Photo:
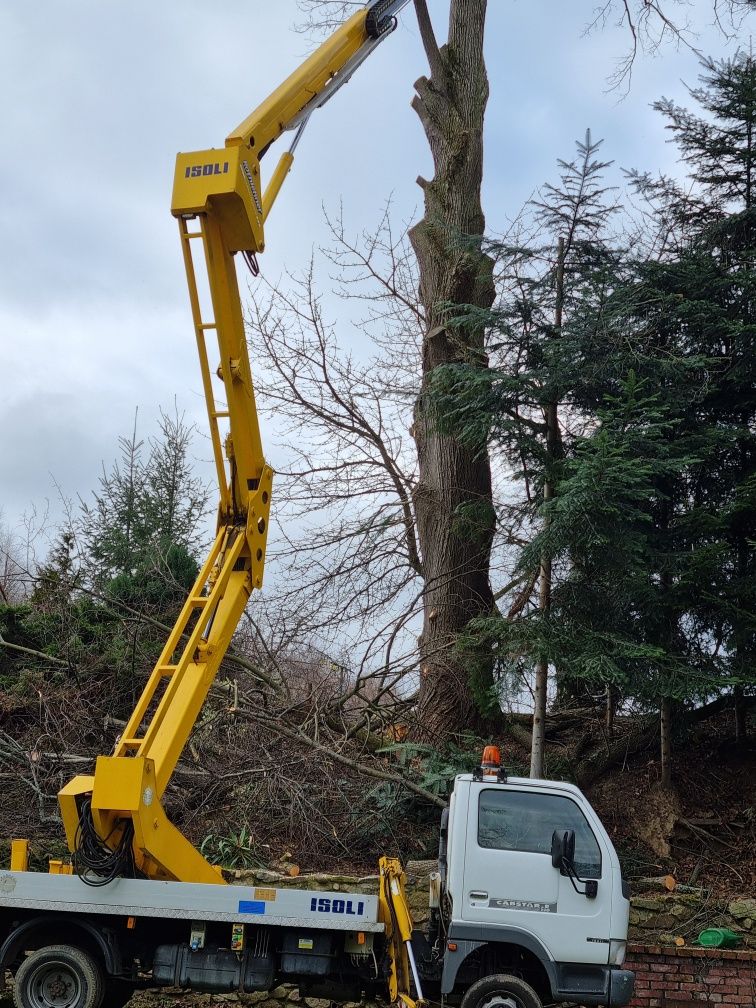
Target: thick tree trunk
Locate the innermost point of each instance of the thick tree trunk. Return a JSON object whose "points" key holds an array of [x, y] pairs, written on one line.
{"points": [[453, 499]]}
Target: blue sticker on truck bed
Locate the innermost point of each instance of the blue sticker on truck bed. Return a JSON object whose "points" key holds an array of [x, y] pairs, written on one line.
{"points": [[252, 906]]}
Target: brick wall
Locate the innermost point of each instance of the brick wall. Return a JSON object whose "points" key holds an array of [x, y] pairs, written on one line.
{"points": [[689, 977]]}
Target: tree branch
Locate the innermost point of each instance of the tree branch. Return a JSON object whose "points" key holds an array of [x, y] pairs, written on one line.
{"points": [[30, 651], [299, 736], [428, 38]]}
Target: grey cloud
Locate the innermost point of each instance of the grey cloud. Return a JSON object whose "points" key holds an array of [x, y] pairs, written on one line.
{"points": [[100, 97]]}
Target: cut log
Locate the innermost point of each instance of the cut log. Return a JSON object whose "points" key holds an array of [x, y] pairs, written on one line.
{"points": [[667, 883]]}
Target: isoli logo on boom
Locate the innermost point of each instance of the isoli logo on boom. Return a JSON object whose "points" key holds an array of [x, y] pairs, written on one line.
{"points": [[324, 905], [215, 168]]}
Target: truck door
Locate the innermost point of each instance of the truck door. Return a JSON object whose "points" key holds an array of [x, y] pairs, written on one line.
{"points": [[510, 882]]}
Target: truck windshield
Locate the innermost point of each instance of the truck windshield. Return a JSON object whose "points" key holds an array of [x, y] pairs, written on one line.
{"points": [[525, 821]]}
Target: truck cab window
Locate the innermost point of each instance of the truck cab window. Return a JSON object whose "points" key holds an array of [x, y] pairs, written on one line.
{"points": [[525, 821]]}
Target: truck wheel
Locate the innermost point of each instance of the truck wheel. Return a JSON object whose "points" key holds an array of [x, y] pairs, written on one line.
{"points": [[501, 991], [58, 976]]}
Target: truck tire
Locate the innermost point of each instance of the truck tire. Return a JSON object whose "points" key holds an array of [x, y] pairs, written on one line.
{"points": [[501, 991], [58, 976]]}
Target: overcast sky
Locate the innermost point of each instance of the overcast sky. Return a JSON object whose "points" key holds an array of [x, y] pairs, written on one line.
{"points": [[100, 95]]}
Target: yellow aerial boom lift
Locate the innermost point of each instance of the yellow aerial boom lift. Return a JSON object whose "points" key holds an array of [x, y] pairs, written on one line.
{"points": [[114, 820]]}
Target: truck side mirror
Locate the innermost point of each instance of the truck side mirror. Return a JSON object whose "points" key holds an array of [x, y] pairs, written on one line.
{"points": [[563, 849], [563, 858]]}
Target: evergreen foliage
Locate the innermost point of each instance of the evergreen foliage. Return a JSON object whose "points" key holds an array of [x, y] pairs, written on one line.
{"points": [[650, 527], [128, 554], [144, 524]]}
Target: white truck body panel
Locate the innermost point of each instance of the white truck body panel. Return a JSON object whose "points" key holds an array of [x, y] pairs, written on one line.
{"points": [[192, 901]]}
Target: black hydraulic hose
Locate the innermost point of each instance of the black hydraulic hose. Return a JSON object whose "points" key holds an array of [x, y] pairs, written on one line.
{"points": [[94, 861]]}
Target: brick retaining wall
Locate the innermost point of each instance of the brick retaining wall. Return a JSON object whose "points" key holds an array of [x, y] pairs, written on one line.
{"points": [[689, 977]]}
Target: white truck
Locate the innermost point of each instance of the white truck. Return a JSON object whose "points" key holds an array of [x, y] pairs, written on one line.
{"points": [[533, 908], [528, 908]]}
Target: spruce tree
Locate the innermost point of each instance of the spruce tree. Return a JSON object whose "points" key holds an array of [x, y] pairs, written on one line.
{"points": [[649, 530], [518, 405], [682, 324], [140, 532]]}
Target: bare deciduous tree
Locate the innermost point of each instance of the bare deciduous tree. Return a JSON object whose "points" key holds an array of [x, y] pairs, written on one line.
{"points": [[652, 24], [17, 555], [347, 550]]}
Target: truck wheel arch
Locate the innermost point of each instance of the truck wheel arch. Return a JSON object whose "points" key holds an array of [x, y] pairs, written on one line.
{"points": [[25, 935], [500, 953]]}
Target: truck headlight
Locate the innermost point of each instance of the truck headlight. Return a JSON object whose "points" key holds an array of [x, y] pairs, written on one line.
{"points": [[617, 950]]}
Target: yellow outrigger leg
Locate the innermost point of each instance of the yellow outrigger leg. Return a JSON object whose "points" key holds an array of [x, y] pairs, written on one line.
{"points": [[394, 912]]}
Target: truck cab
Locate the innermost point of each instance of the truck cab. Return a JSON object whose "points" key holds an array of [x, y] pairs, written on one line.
{"points": [[530, 887]]}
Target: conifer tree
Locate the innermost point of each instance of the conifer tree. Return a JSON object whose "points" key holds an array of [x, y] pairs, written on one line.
{"points": [[647, 531], [707, 288], [140, 531], [685, 318], [516, 404]]}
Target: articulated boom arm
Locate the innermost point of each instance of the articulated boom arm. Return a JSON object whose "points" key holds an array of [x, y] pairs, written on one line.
{"points": [[116, 816]]}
